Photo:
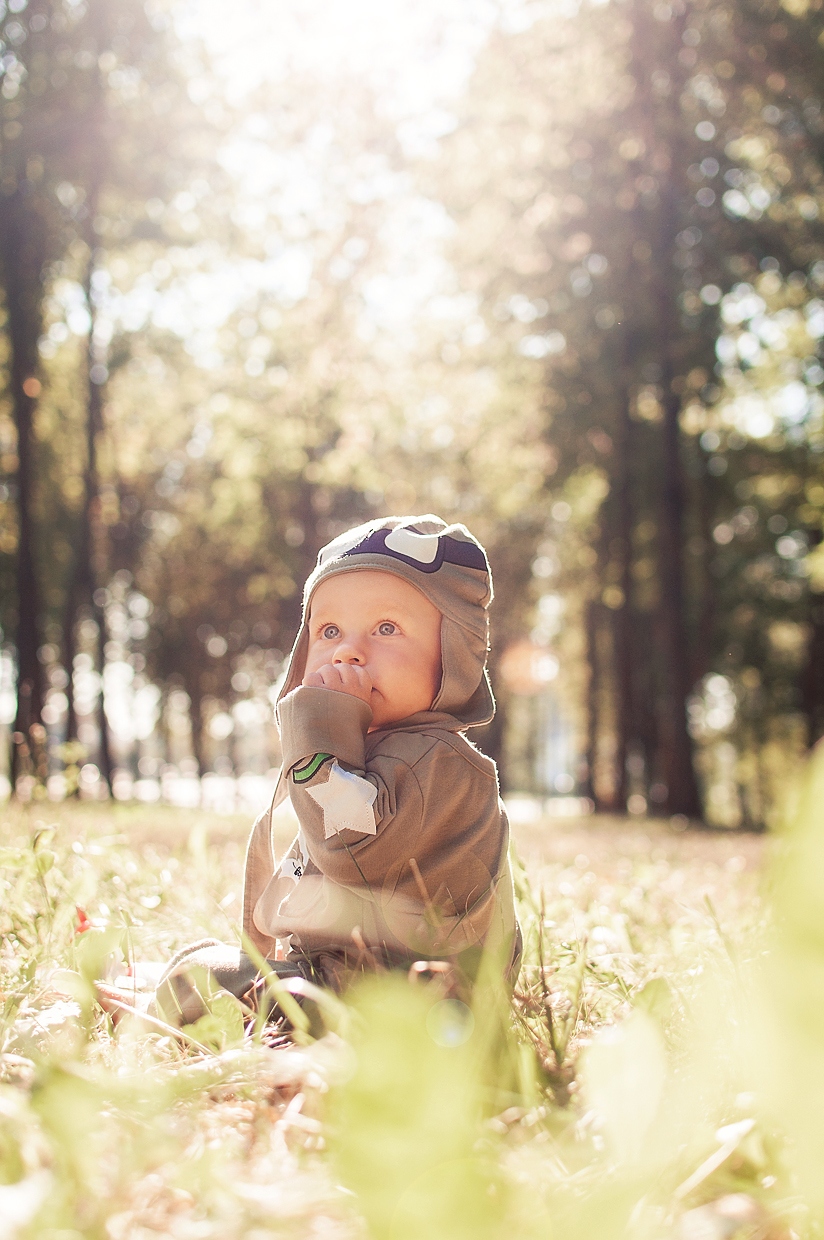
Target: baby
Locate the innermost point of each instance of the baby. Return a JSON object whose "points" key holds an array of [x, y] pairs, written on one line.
{"points": [[402, 852], [402, 847]]}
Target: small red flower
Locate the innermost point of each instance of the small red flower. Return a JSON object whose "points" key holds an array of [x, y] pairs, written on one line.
{"points": [[83, 923]]}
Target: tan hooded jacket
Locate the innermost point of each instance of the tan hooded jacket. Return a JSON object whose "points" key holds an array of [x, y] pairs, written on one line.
{"points": [[403, 842]]}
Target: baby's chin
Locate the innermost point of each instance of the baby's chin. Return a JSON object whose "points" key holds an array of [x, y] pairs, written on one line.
{"points": [[383, 716], [387, 718]]}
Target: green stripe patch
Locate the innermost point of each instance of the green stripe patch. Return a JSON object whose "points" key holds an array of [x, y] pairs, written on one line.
{"points": [[302, 774]]}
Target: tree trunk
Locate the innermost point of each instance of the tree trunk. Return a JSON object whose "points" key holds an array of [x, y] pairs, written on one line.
{"points": [[622, 616], [680, 778], [83, 589], [707, 616], [592, 712], [191, 681], [812, 677], [22, 247], [91, 522], [69, 651], [89, 549], [667, 162]]}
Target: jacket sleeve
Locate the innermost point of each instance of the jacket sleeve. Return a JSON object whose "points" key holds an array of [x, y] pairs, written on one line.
{"points": [[374, 823], [344, 806]]}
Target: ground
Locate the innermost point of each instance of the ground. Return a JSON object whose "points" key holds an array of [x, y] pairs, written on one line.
{"points": [[134, 1133]]}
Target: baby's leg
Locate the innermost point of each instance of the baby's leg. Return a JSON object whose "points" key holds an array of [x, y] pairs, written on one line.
{"points": [[199, 971]]}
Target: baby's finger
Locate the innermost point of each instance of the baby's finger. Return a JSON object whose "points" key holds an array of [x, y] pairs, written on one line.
{"points": [[326, 677], [356, 678], [343, 677]]}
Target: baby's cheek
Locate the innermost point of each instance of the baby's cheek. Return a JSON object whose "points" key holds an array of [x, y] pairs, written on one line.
{"points": [[314, 660]]}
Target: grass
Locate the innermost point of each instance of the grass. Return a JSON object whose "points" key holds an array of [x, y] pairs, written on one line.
{"points": [[635, 1086]]}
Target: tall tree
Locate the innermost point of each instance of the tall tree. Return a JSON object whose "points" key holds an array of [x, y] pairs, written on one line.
{"points": [[84, 152], [604, 139], [31, 236]]}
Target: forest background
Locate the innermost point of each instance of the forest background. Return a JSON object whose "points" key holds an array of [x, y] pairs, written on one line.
{"points": [[551, 269]]}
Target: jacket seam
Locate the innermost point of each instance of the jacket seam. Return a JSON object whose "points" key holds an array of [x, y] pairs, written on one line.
{"points": [[458, 748], [470, 757]]}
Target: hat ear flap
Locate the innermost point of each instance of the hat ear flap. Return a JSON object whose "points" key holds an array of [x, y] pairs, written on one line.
{"points": [[465, 689], [480, 708], [297, 662]]}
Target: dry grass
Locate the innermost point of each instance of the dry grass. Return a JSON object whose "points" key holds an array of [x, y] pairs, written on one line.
{"points": [[150, 1138]]}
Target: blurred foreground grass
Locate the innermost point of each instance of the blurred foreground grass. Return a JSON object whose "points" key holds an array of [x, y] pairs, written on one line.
{"points": [[658, 1074]]}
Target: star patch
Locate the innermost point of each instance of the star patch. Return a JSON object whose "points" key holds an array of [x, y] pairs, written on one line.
{"points": [[346, 801]]}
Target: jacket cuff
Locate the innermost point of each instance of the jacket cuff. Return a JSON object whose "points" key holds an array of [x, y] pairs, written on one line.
{"points": [[317, 720]]}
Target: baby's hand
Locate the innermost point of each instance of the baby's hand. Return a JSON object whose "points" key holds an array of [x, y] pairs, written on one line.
{"points": [[344, 678]]}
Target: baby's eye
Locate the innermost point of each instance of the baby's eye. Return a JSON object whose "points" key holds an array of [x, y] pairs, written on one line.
{"points": [[331, 632], [387, 628]]}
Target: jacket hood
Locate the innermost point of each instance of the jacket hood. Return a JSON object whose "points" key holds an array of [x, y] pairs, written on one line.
{"points": [[448, 565]]}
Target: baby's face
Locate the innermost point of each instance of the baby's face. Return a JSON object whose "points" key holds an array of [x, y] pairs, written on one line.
{"points": [[375, 636]]}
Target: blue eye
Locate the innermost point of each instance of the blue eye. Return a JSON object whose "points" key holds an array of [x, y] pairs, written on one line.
{"points": [[387, 628], [331, 632]]}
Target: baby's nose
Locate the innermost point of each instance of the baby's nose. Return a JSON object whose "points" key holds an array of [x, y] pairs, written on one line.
{"points": [[348, 652]]}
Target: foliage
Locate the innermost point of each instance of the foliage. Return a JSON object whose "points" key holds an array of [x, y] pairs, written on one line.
{"points": [[613, 247]]}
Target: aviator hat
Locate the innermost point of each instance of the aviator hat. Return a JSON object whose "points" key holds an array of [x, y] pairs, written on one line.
{"points": [[447, 565]]}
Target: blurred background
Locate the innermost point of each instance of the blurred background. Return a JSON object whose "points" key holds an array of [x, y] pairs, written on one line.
{"points": [[553, 269]]}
